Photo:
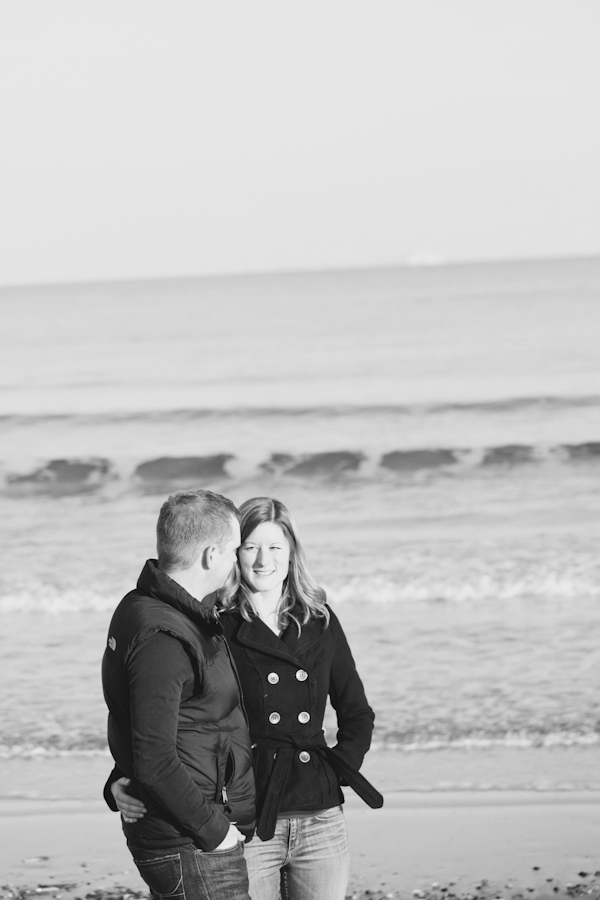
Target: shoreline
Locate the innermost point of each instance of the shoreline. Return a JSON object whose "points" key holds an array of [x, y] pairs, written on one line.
{"points": [[576, 768], [486, 844]]}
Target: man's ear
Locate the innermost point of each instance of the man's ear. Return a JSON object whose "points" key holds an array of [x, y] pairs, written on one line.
{"points": [[209, 556]]}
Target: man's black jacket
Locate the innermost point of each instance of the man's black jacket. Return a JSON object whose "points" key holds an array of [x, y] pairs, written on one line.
{"points": [[176, 726]]}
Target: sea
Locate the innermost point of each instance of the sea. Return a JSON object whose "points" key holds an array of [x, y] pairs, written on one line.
{"points": [[435, 432]]}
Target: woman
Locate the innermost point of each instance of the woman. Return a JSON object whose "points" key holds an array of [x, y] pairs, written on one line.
{"points": [[291, 654]]}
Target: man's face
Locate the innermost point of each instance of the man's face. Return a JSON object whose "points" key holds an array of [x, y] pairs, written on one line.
{"points": [[227, 555]]}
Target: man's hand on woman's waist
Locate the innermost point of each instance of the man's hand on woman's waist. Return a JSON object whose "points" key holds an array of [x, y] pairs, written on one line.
{"points": [[133, 809]]}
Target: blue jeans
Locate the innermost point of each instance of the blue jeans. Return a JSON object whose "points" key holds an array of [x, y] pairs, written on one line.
{"points": [[186, 873], [306, 859]]}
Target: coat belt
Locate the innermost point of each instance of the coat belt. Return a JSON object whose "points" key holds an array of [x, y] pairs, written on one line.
{"points": [[286, 750]]}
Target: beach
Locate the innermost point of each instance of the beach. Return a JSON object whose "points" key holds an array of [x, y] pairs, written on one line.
{"points": [[443, 842], [495, 843], [440, 453]]}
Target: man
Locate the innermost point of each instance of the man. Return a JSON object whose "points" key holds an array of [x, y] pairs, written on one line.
{"points": [[176, 728]]}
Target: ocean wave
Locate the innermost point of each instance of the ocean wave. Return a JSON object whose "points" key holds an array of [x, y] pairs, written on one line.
{"points": [[330, 463], [509, 454], [589, 450], [549, 403], [35, 750], [183, 468], [48, 598], [96, 746], [65, 475], [87, 474], [520, 740], [454, 582], [415, 460], [464, 585]]}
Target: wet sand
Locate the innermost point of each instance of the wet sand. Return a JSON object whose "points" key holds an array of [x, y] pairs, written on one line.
{"points": [[487, 844]]}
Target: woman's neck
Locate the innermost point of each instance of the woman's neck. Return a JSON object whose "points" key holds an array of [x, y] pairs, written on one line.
{"points": [[266, 604]]}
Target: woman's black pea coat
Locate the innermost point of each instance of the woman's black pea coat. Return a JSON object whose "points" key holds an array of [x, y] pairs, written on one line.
{"points": [[285, 683]]}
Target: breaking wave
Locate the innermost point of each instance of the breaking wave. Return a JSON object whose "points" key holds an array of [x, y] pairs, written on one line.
{"points": [[454, 581], [90, 744], [88, 474]]}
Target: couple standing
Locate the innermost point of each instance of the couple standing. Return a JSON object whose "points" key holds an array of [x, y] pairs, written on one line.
{"points": [[187, 773]]}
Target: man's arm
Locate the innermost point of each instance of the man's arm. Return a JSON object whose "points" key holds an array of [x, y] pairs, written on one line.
{"points": [[159, 671]]}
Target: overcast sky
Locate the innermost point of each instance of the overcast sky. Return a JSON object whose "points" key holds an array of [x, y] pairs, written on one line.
{"points": [[144, 138]]}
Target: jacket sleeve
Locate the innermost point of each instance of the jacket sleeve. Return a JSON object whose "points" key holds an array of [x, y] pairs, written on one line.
{"points": [[159, 669], [354, 715]]}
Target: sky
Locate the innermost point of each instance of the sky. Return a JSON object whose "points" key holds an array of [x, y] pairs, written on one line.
{"points": [[165, 138]]}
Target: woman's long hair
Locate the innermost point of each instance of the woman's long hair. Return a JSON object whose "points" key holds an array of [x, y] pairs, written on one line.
{"points": [[301, 598]]}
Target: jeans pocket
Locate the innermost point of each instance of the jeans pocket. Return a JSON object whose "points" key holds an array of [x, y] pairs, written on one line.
{"points": [[163, 875], [327, 814], [221, 852]]}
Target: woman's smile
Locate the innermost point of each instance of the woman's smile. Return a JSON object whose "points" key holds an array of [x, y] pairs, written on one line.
{"points": [[264, 558]]}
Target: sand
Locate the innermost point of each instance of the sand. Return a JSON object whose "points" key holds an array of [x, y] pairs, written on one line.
{"points": [[467, 843]]}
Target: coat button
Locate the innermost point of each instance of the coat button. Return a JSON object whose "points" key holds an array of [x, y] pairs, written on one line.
{"points": [[274, 718], [303, 717], [301, 675], [272, 677], [304, 756]]}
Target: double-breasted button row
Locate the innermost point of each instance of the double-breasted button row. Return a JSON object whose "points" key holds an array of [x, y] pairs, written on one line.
{"points": [[275, 717], [303, 718], [273, 677]]}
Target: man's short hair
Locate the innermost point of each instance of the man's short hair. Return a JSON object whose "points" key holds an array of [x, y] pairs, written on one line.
{"points": [[188, 521]]}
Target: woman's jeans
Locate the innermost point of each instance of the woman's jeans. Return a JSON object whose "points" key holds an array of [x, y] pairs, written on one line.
{"points": [[186, 873], [306, 859]]}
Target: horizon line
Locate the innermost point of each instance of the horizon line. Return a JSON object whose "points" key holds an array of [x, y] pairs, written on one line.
{"points": [[269, 273]]}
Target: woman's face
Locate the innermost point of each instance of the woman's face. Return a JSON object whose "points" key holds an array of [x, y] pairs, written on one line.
{"points": [[264, 558]]}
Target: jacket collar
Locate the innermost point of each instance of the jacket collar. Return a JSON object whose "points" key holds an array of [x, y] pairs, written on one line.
{"points": [[157, 584], [258, 636]]}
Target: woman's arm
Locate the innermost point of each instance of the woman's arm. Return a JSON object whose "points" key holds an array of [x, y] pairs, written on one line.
{"points": [[354, 715], [119, 799], [129, 806]]}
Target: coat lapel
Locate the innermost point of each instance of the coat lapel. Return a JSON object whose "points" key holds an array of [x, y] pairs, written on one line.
{"points": [[299, 644], [258, 636]]}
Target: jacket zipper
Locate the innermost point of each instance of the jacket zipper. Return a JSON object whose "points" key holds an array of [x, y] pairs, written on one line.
{"points": [[237, 679]]}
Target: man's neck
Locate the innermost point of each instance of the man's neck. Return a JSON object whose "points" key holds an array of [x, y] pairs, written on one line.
{"points": [[193, 582]]}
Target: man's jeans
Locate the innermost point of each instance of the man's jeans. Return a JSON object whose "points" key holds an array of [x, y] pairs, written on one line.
{"points": [[307, 859], [187, 873]]}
